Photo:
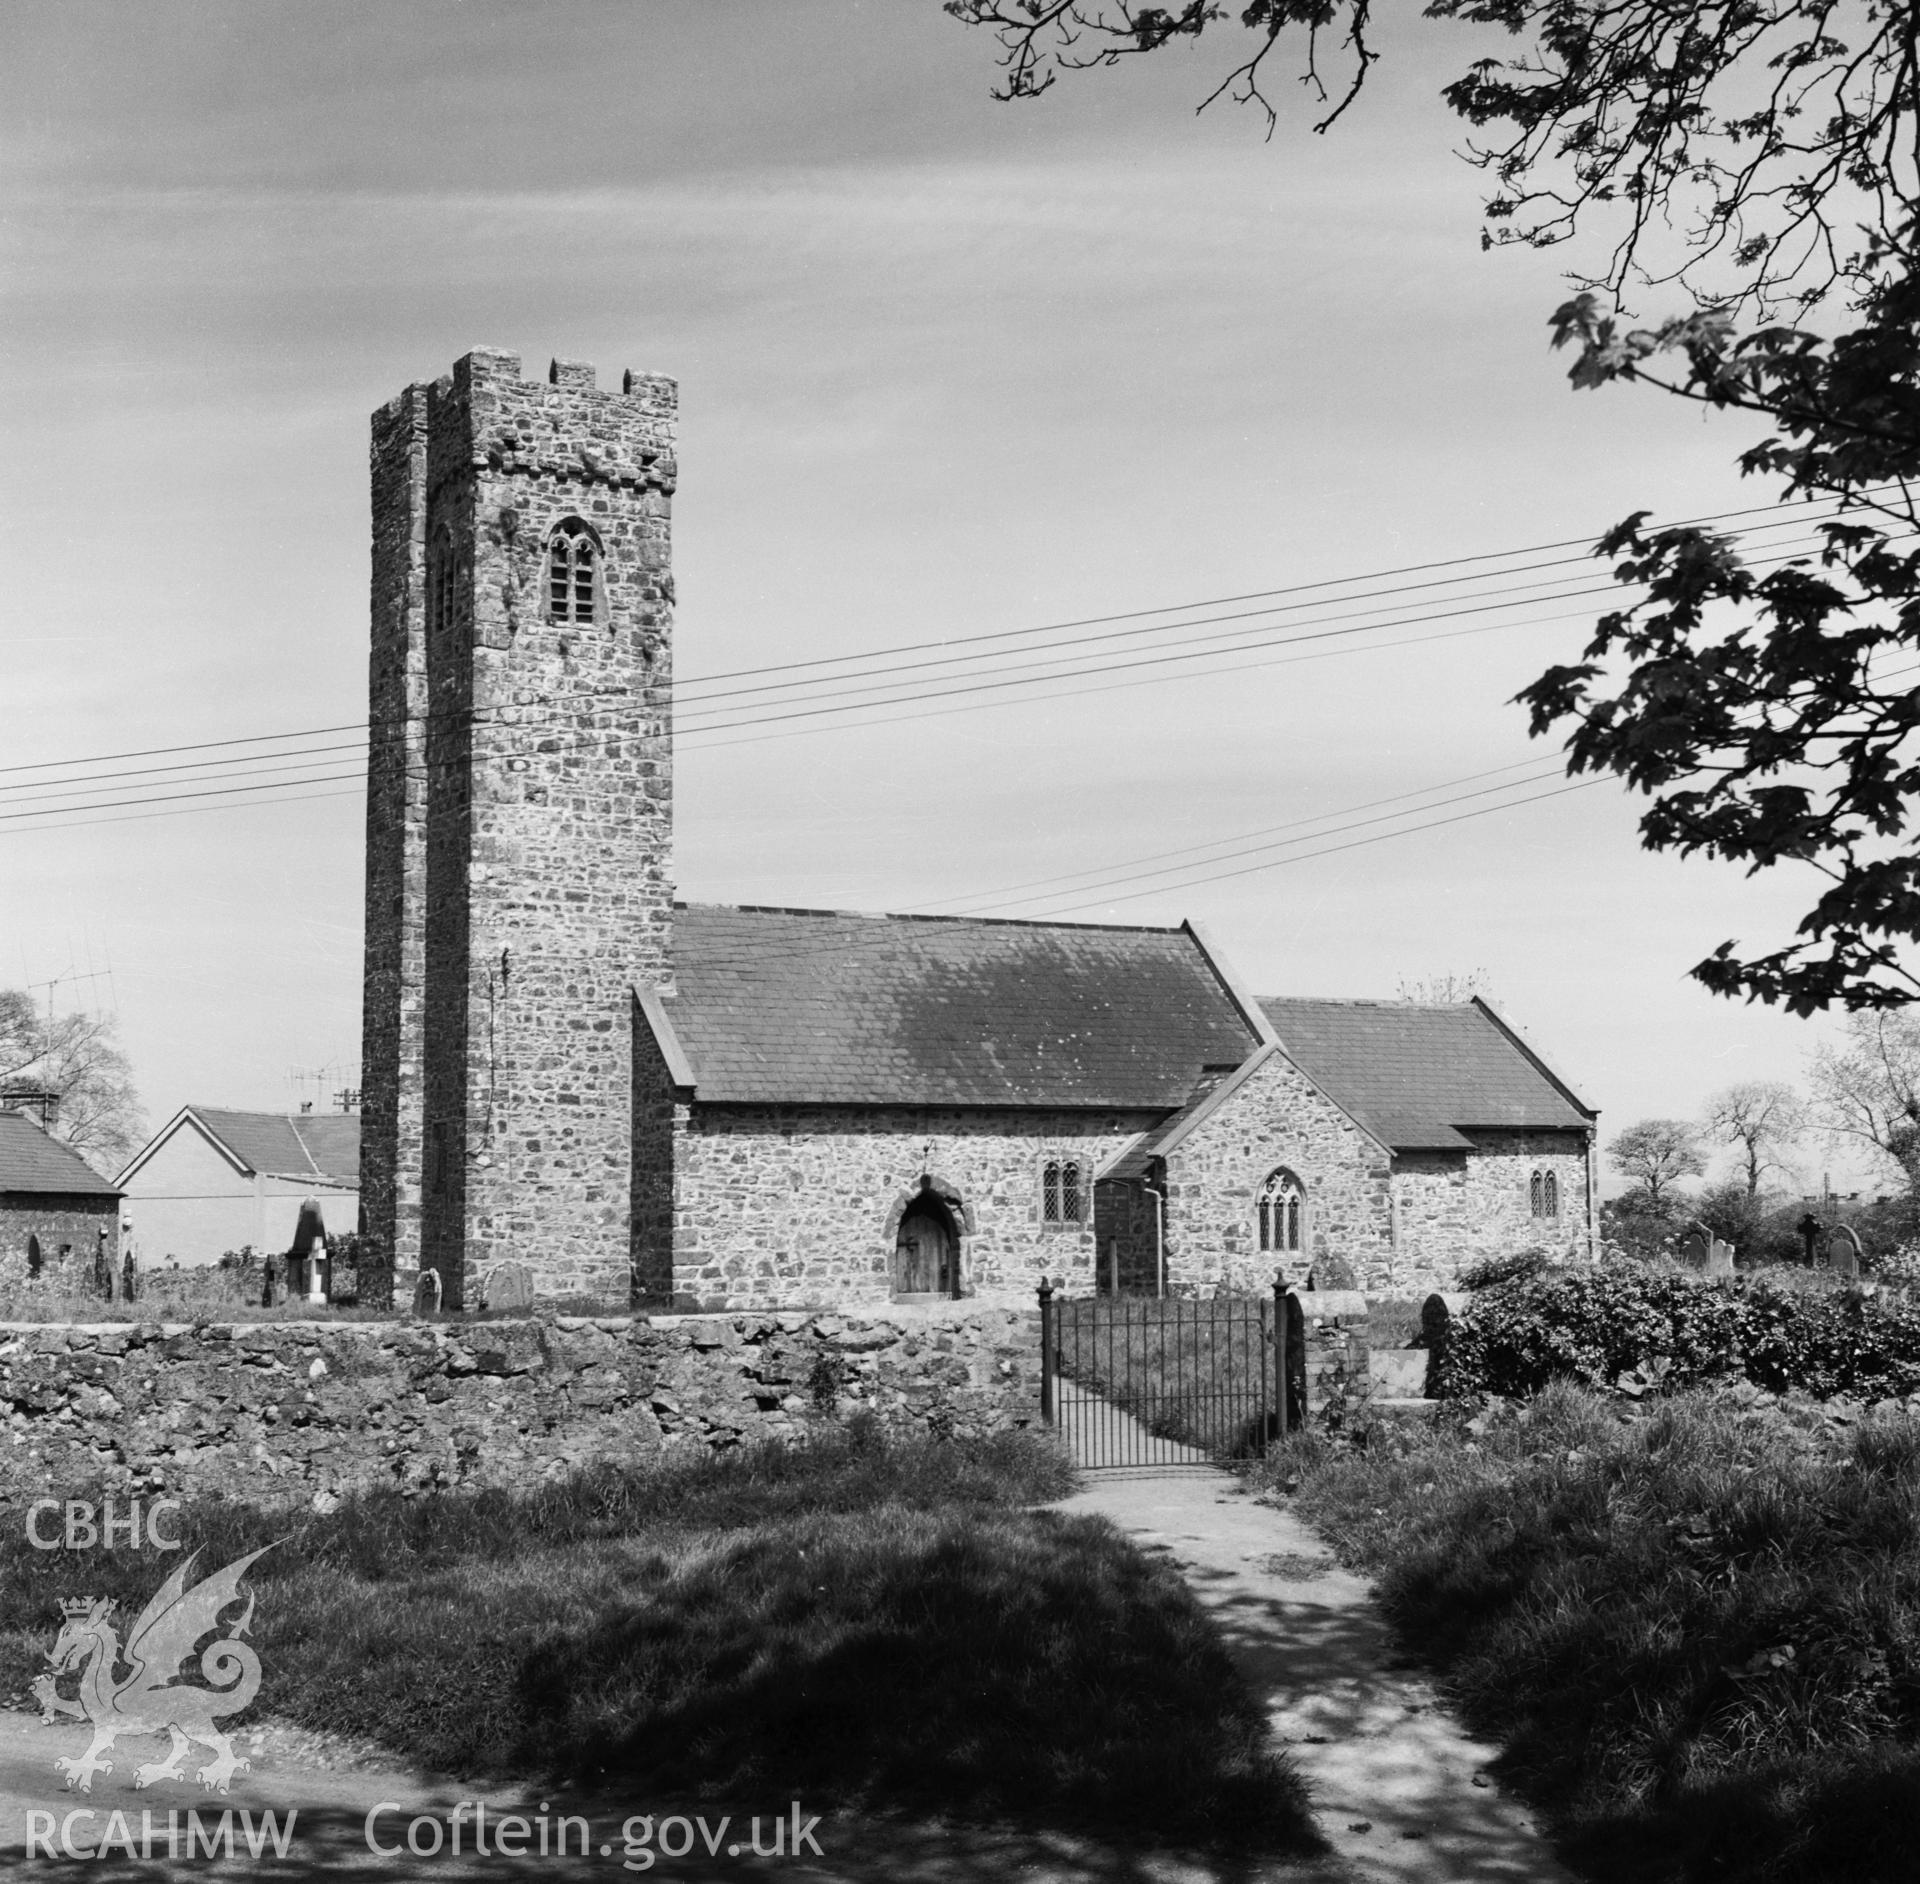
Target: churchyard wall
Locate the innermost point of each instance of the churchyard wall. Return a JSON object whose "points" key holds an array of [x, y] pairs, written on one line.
{"points": [[290, 1412]]}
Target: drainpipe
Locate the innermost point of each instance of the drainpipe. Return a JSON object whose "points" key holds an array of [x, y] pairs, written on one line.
{"points": [[1593, 1185], [1159, 1238]]}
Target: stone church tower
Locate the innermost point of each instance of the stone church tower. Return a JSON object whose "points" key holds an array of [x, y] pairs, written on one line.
{"points": [[519, 816]]}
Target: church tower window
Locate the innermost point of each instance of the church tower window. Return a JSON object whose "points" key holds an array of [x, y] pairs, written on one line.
{"points": [[442, 580], [575, 589], [1282, 1207]]}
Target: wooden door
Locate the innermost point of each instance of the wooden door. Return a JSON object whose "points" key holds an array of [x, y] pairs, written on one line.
{"points": [[923, 1257]]}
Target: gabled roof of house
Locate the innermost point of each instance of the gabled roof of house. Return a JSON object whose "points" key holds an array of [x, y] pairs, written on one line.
{"points": [[32, 1161], [1423, 1076], [829, 1008], [310, 1147]]}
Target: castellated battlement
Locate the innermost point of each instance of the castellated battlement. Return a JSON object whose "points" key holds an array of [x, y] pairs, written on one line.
{"points": [[519, 832]]}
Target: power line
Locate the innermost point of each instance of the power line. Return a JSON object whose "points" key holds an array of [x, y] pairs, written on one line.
{"points": [[1044, 674], [1226, 601], [1379, 837], [887, 934], [318, 778], [1005, 902], [1796, 516]]}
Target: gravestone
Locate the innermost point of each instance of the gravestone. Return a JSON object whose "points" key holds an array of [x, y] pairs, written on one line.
{"points": [[426, 1293], [510, 1285], [1704, 1252], [1843, 1251]]}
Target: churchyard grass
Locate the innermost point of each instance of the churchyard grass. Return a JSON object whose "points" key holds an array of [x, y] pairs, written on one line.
{"points": [[1693, 1625], [862, 1623]]}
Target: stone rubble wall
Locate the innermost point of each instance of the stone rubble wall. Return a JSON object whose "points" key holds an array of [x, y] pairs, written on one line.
{"points": [[802, 1203], [1331, 1359], [1277, 1120], [1456, 1209], [282, 1413], [74, 1221], [519, 856]]}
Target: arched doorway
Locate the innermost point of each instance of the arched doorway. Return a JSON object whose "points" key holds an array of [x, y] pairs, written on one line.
{"points": [[926, 1253]]}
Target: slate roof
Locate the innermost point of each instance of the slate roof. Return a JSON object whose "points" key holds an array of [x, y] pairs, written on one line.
{"points": [[31, 1161], [1421, 1076], [318, 1145], [829, 1008]]}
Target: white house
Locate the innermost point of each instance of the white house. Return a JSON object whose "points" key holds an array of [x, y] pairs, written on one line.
{"points": [[213, 1180]]}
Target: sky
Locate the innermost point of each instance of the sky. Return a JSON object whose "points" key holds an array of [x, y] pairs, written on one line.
{"points": [[949, 367]]}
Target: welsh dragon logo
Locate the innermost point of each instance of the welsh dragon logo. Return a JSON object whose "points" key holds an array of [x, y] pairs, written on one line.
{"points": [[147, 1699]]}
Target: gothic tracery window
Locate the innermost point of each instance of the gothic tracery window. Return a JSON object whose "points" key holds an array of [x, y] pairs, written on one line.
{"points": [[1282, 1209], [573, 573], [1543, 1193], [1062, 1192]]}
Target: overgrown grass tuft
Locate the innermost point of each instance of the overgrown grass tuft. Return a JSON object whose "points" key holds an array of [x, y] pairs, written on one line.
{"points": [[874, 1625], [1696, 1630]]}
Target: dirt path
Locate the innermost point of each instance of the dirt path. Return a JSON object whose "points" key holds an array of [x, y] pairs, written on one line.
{"points": [[1399, 1789]]}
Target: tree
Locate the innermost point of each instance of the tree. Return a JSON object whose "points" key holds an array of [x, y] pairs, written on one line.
{"points": [[1762, 1117], [77, 1058], [1656, 1153], [1448, 988], [1760, 1228], [1868, 1091], [1761, 160]]}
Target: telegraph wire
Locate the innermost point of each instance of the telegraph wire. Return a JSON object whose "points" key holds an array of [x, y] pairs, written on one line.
{"points": [[1002, 900], [1047, 672], [1225, 601], [319, 778], [894, 929], [1379, 837], [1040, 674], [1795, 516]]}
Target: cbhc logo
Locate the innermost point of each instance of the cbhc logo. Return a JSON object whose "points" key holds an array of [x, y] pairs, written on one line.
{"points": [[81, 1532]]}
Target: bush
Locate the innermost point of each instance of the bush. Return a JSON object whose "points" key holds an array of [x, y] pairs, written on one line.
{"points": [[1628, 1328], [1638, 1227], [1498, 1269], [1692, 1628], [1762, 1228]]}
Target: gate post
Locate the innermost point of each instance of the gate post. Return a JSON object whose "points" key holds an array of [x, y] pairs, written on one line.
{"points": [[1280, 1348], [1046, 1350]]}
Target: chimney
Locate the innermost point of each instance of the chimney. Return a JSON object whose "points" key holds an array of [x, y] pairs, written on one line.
{"points": [[35, 1101]]}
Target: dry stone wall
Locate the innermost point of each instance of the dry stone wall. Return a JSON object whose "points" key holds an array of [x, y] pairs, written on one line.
{"points": [[286, 1412]]}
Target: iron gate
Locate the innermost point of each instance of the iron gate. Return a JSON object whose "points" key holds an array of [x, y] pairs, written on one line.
{"points": [[1168, 1380]]}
